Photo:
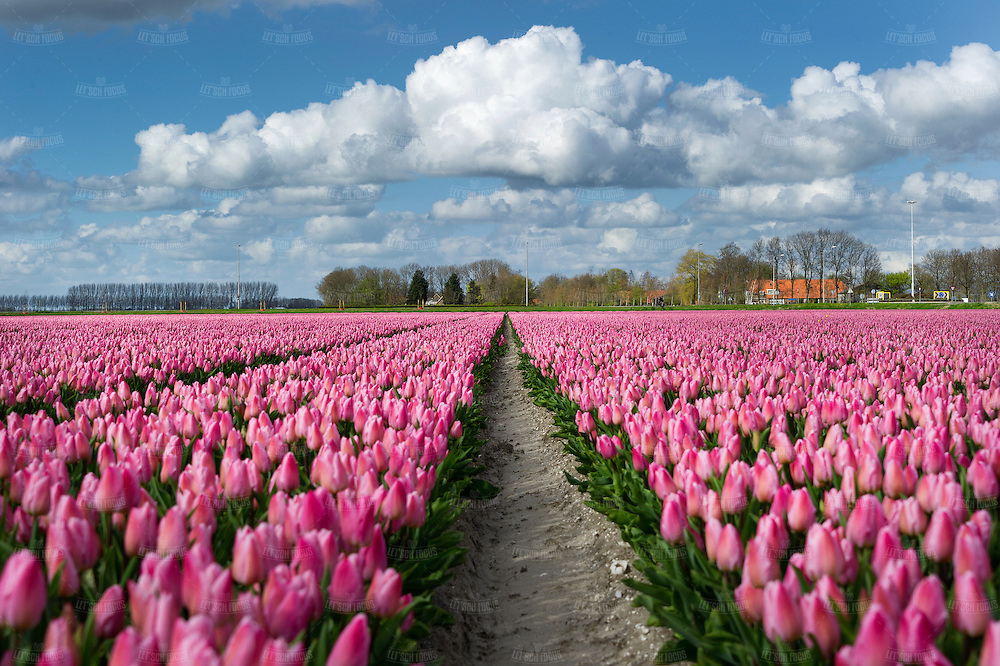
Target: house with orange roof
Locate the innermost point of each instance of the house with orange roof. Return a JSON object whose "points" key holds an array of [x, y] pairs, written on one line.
{"points": [[795, 291]]}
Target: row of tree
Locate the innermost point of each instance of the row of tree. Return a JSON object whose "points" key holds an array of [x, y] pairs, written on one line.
{"points": [[974, 274], [150, 296], [476, 282], [735, 275]]}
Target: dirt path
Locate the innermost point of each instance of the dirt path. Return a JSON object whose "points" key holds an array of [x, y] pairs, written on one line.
{"points": [[538, 584]]}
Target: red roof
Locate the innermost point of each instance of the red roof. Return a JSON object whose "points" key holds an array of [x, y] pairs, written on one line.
{"points": [[797, 288]]}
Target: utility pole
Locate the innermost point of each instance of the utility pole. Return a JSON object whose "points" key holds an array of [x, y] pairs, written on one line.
{"points": [[237, 277], [912, 280], [698, 301], [525, 273]]}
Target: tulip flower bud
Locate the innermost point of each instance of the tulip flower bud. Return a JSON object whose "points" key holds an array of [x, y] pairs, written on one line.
{"points": [[782, 617], [990, 652], [865, 521], [970, 610], [673, 520], [876, 639], [141, 530], [23, 591], [819, 623], [929, 597], [801, 510], [970, 554], [353, 644], [939, 538], [729, 549], [248, 557], [109, 613]]}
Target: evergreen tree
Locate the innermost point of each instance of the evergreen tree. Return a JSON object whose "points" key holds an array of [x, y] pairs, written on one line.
{"points": [[453, 290], [418, 288], [474, 294]]}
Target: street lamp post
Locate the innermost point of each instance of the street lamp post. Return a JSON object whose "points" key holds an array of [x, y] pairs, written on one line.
{"points": [[833, 247], [525, 273], [912, 276], [822, 276], [698, 301], [237, 277], [774, 277]]}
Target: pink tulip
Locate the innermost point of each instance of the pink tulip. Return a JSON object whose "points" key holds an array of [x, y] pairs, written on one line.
{"points": [[875, 643], [290, 602], [248, 557], [245, 645], [141, 530], [357, 521], [929, 597], [772, 531], [983, 480], [346, 590], [353, 644], [286, 476], [59, 646], [729, 549], [673, 520], [172, 538], [277, 652], [384, 593], [887, 547], [22, 591], [801, 510], [865, 521], [394, 505], [760, 566], [970, 609], [990, 652], [912, 519], [970, 554], [915, 636], [132, 649], [819, 623], [822, 554], [734, 492], [110, 494], [36, 497], [782, 617], [750, 601], [109, 612], [939, 538]]}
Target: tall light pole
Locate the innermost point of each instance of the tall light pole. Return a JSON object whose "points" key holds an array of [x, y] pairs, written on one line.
{"points": [[237, 277], [912, 277], [525, 273], [774, 278], [698, 301], [832, 247]]}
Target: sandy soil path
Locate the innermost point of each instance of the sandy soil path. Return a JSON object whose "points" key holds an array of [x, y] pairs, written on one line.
{"points": [[542, 581]]}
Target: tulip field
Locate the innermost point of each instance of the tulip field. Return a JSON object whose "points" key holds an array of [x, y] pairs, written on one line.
{"points": [[798, 487], [232, 490]]}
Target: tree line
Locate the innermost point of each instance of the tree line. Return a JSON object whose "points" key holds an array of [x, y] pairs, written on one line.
{"points": [[485, 281], [735, 275], [973, 274], [149, 296]]}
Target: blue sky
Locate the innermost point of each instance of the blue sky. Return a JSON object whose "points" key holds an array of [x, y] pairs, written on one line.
{"points": [[144, 140]]}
